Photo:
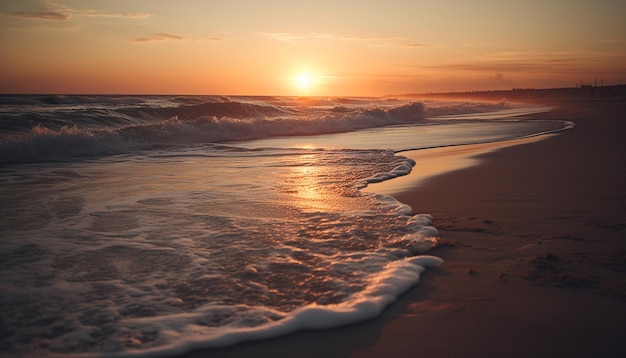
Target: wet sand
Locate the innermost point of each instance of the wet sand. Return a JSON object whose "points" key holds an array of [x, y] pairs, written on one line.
{"points": [[534, 242]]}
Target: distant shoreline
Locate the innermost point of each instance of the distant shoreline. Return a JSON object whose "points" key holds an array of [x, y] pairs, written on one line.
{"points": [[544, 95]]}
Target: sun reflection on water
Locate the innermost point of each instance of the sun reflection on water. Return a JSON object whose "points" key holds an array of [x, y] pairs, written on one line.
{"points": [[308, 188], [313, 186]]}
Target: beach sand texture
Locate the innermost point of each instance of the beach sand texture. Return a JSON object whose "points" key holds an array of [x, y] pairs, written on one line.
{"points": [[534, 243]]}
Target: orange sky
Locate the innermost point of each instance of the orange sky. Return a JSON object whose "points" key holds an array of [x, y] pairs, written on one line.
{"points": [[345, 47]]}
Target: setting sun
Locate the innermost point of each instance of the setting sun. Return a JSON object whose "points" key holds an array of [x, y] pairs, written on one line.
{"points": [[304, 82]]}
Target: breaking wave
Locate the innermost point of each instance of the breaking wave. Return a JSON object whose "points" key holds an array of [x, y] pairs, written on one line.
{"points": [[82, 131]]}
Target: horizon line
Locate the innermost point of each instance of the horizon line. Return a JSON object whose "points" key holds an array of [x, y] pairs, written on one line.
{"points": [[583, 86]]}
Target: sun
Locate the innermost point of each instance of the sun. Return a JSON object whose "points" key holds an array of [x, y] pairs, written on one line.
{"points": [[305, 81]]}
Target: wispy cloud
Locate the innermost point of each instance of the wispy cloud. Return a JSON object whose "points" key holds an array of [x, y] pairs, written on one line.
{"points": [[280, 36], [101, 13], [515, 62], [43, 15], [612, 41], [369, 40], [552, 66], [53, 11], [490, 67], [161, 36]]}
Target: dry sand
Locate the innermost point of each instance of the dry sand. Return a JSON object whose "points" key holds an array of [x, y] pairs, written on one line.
{"points": [[534, 243]]}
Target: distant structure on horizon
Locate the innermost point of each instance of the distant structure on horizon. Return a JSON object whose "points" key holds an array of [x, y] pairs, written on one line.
{"points": [[580, 90], [588, 85]]}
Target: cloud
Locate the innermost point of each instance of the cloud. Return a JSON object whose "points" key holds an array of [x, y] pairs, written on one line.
{"points": [[44, 15], [612, 41], [54, 11], [101, 13], [369, 40], [491, 67], [363, 38], [281, 36], [414, 44], [520, 62], [161, 36], [498, 77], [93, 12]]}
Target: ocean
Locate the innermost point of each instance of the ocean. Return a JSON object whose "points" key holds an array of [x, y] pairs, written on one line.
{"points": [[154, 225]]}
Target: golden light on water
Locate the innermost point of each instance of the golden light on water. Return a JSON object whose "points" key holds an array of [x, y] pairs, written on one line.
{"points": [[305, 179], [308, 190], [308, 184]]}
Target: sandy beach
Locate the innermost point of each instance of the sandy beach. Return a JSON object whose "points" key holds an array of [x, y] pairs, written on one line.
{"points": [[534, 242]]}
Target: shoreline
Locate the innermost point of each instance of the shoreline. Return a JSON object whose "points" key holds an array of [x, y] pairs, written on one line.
{"points": [[533, 240], [433, 162]]}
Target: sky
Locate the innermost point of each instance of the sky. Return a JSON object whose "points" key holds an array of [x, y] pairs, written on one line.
{"points": [[319, 48]]}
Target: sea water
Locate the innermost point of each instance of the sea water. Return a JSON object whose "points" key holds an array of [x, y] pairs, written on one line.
{"points": [[153, 225]]}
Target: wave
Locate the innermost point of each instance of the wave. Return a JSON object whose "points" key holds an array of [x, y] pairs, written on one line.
{"points": [[70, 99], [435, 108], [216, 109], [142, 127]]}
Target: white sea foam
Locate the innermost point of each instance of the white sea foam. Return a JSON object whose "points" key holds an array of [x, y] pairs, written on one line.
{"points": [[165, 252], [384, 288]]}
